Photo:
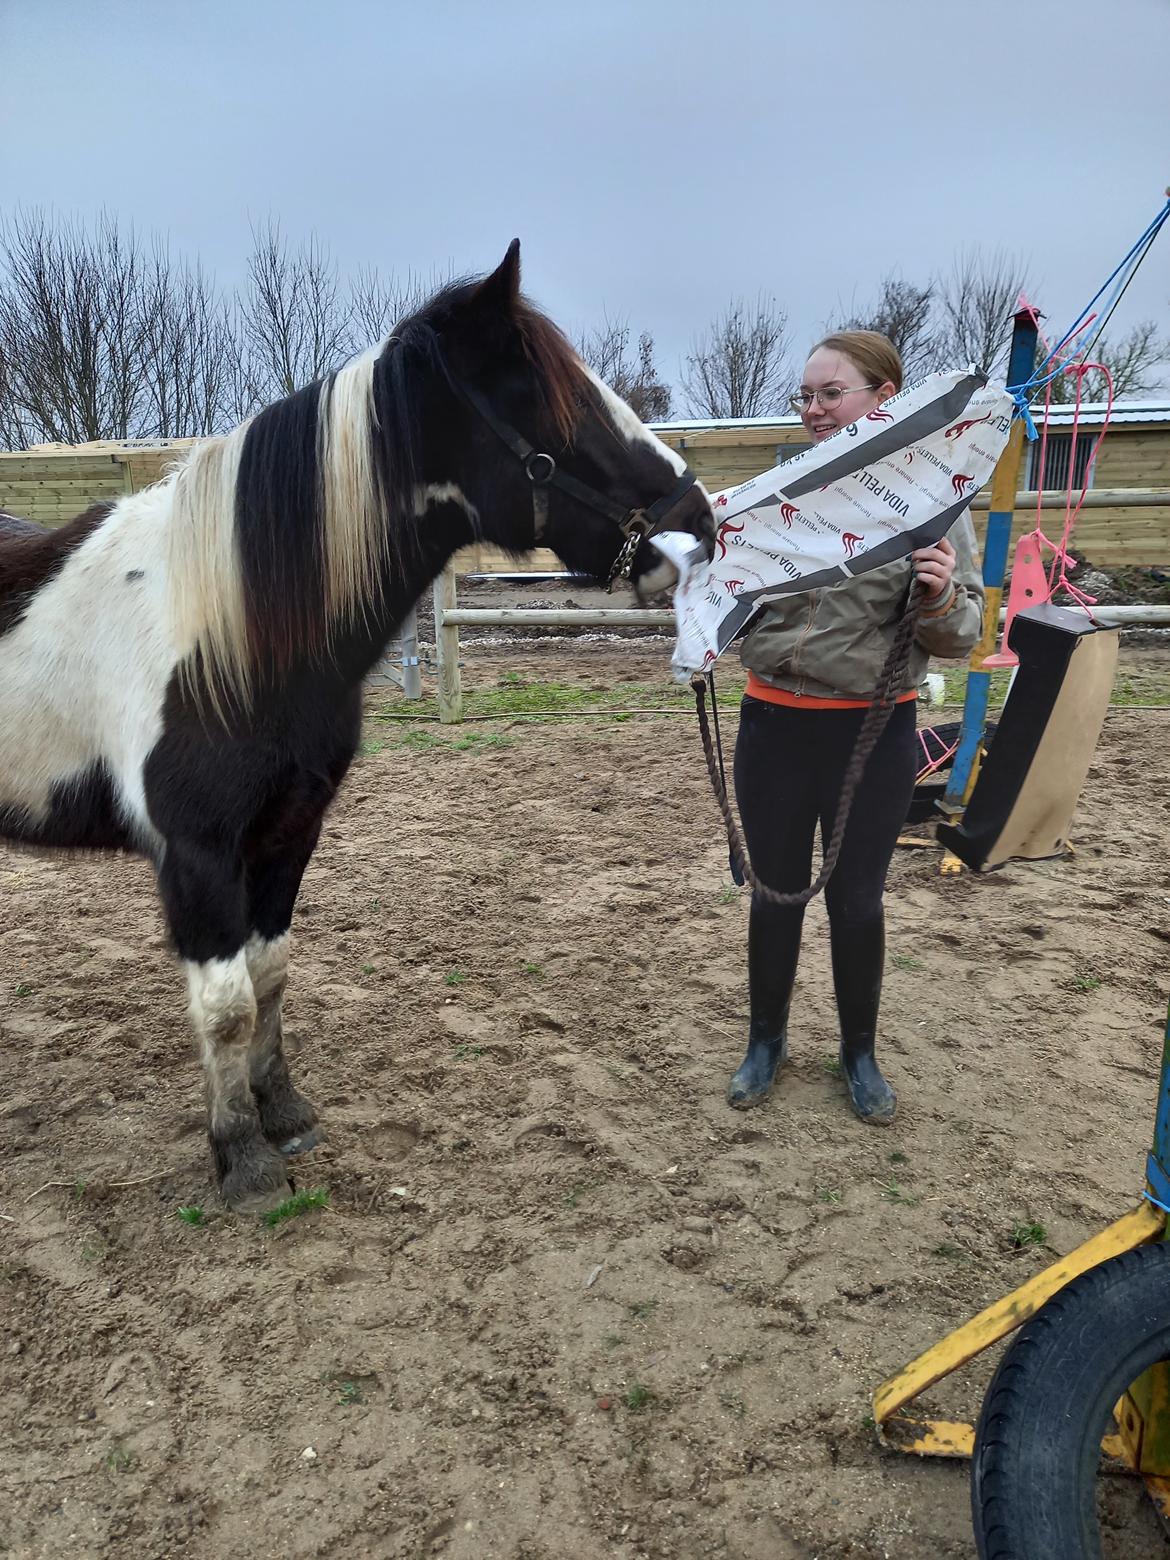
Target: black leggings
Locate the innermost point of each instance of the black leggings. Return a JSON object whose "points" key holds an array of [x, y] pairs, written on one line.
{"points": [[789, 767]]}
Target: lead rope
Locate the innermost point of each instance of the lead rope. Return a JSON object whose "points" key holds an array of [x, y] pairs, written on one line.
{"points": [[876, 718]]}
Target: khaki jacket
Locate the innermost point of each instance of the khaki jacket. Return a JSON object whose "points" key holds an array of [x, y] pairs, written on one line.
{"points": [[831, 643]]}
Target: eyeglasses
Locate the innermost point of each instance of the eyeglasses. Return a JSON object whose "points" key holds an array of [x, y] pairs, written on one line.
{"points": [[828, 398]]}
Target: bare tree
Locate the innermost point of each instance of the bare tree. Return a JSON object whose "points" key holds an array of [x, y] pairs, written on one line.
{"points": [[70, 330], [100, 339], [905, 313], [637, 380], [739, 367], [292, 321], [976, 304], [377, 303], [188, 351], [1136, 364]]}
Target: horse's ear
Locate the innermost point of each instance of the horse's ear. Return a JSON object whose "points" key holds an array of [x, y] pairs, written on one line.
{"points": [[501, 290]]}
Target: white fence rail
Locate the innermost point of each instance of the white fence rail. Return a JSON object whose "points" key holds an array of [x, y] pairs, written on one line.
{"points": [[449, 618]]}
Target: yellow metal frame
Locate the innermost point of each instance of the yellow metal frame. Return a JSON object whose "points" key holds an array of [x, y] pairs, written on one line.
{"points": [[1145, 1407]]}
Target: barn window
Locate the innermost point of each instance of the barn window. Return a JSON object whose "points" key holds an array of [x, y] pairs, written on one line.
{"points": [[1056, 460]]}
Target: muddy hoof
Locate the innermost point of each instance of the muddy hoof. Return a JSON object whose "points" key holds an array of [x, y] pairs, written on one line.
{"points": [[255, 1178], [302, 1143], [254, 1205]]}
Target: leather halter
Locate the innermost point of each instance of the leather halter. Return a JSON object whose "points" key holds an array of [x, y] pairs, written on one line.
{"points": [[542, 471]]}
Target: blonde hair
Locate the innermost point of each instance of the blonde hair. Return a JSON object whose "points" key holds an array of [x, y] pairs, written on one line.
{"points": [[870, 352]]}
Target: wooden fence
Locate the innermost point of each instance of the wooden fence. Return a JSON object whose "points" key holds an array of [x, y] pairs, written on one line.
{"points": [[1126, 522]]}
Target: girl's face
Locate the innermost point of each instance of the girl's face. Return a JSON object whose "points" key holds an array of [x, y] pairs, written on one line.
{"points": [[847, 394]]}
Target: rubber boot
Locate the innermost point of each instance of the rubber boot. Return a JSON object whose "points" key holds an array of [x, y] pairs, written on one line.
{"points": [[773, 951], [766, 1054], [859, 953]]}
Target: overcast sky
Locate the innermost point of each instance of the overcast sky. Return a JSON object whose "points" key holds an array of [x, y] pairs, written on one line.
{"points": [[655, 159]]}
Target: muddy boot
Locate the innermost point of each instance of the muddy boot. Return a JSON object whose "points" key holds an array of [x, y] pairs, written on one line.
{"points": [[766, 1054], [859, 951], [773, 950], [873, 1101]]}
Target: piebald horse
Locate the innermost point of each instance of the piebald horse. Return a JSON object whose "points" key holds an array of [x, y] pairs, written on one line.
{"points": [[181, 671]]}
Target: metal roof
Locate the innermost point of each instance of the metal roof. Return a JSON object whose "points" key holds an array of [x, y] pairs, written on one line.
{"points": [[1092, 412]]}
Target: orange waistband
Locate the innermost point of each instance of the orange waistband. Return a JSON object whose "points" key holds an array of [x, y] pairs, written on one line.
{"points": [[802, 701]]}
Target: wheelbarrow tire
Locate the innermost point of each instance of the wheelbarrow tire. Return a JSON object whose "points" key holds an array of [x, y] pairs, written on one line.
{"points": [[1038, 1440]]}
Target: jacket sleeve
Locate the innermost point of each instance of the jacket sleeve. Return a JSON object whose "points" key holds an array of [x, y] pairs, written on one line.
{"points": [[956, 631]]}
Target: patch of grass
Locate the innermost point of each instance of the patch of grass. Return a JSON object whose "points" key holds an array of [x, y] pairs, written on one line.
{"points": [[94, 1251], [1025, 1234], [832, 1065], [898, 1158], [483, 739], [370, 746], [891, 1190], [1085, 978], [119, 1459], [533, 969], [907, 962], [727, 892], [467, 1053], [191, 1214], [642, 1310], [22, 990], [638, 1396], [829, 1194], [296, 1205], [79, 1190], [420, 738], [454, 977], [612, 1341], [349, 1392], [367, 969]]}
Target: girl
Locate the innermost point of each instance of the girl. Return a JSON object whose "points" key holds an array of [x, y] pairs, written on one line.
{"points": [[813, 661]]}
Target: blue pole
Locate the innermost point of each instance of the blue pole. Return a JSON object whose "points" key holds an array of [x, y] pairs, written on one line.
{"points": [[965, 769]]}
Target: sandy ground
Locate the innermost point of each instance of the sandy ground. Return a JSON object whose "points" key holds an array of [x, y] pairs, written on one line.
{"points": [[564, 1302]]}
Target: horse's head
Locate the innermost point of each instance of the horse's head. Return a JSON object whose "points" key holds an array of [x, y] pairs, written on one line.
{"points": [[556, 459]]}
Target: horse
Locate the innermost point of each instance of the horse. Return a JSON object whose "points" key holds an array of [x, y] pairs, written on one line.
{"points": [[181, 671]]}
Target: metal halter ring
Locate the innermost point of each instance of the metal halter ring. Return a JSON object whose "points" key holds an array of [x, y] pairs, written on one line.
{"points": [[537, 474]]}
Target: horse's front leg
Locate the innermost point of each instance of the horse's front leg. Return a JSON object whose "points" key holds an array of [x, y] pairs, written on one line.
{"points": [[287, 1119], [204, 898]]}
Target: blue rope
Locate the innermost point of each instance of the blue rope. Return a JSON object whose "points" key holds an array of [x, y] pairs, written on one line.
{"points": [[1118, 280]]}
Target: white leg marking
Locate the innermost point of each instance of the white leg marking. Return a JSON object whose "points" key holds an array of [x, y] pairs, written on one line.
{"points": [[268, 967], [223, 1015]]}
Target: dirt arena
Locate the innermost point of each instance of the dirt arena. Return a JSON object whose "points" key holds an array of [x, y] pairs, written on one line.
{"points": [[563, 1302]]}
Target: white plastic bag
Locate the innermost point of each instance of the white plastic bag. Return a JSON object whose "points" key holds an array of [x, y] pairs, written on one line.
{"points": [[895, 480]]}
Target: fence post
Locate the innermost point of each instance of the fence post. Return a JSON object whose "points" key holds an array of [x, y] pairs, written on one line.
{"points": [[408, 650], [447, 650]]}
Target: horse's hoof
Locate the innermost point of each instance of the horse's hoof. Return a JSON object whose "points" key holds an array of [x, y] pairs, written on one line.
{"points": [[254, 1205], [302, 1143]]}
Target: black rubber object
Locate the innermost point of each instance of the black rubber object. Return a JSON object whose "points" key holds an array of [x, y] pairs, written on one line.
{"points": [[1037, 1444]]}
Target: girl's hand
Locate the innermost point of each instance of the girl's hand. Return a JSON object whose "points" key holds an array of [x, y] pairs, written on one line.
{"points": [[934, 567]]}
